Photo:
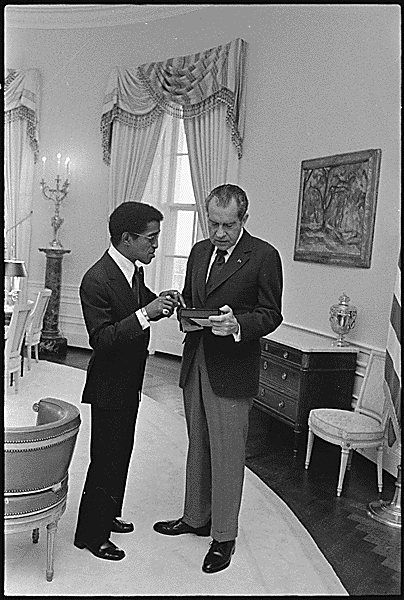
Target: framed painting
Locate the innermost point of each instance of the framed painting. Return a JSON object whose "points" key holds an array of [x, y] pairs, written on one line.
{"points": [[337, 209]]}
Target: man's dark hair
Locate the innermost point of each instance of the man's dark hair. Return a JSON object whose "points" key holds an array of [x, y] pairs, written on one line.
{"points": [[224, 195], [132, 217]]}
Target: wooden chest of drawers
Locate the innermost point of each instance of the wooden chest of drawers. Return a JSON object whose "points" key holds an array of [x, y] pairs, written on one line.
{"points": [[298, 376]]}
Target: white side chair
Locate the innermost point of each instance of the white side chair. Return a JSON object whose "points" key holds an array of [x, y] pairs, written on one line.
{"points": [[34, 327], [353, 429], [14, 341]]}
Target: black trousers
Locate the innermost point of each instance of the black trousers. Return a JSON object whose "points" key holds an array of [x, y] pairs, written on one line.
{"points": [[112, 438]]}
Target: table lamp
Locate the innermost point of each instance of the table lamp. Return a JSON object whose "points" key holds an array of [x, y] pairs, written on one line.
{"points": [[14, 269]]}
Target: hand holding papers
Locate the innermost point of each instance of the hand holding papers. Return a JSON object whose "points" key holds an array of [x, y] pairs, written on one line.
{"points": [[192, 319]]}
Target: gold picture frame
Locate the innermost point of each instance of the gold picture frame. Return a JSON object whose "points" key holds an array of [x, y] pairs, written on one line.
{"points": [[337, 209]]}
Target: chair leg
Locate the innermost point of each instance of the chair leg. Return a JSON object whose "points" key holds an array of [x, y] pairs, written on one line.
{"points": [[36, 348], [380, 468], [28, 357], [342, 469], [310, 440], [16, 378], [52, 528], [35, 535]]}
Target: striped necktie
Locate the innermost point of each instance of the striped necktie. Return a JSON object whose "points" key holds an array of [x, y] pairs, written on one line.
{"points": [[216, 267]]}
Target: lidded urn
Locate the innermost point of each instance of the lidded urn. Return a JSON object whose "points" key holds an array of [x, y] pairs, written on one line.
{"points": [[342, 319]]}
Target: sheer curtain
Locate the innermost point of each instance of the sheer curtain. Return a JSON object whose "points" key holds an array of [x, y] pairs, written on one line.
{"points": [[206, 89], [133, 151], [20, 155], [213, 158]]}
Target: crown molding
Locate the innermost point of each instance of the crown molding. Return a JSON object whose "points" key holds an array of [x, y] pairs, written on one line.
{"points": [[78, 16]]}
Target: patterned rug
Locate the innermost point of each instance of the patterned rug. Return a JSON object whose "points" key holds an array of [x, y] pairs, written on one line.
{"points": [[274, 556]]}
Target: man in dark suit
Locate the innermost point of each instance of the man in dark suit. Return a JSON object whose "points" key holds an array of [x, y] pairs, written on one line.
{"points": [[117, 308], [242, 276]]}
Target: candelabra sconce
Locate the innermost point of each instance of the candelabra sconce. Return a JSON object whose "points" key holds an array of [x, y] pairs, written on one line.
{"points": [[57, 195], [342, 319]]}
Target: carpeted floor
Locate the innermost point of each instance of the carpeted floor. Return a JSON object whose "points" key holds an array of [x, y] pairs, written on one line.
{"points": [[275, 555]]}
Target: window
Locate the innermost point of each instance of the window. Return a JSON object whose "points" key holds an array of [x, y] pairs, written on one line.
{"points": [[169, 188]]}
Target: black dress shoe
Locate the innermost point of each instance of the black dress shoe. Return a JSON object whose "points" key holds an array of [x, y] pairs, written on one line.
{"points": [[219, 556], [178, 527], [119, 526], [106, 550]]}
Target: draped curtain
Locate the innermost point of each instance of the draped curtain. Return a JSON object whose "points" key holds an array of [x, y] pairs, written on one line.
{"points": [[20, 155], [206, 89]]}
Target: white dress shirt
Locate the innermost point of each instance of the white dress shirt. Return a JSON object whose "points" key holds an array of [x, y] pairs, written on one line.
{"points": [[128, 269]]}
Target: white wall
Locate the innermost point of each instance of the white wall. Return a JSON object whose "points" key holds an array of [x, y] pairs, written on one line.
{"points": [[322, 80]]}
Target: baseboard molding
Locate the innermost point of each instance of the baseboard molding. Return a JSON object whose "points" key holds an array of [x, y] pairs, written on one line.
{"points": [[71, 323], [72, 326], [77, 340]]}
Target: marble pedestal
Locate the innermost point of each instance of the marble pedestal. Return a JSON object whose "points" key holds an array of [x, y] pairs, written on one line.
{"points": [[52, 342]]}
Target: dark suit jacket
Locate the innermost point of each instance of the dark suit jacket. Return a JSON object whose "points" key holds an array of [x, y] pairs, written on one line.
{"points": [[251, 284], [116, 368]]}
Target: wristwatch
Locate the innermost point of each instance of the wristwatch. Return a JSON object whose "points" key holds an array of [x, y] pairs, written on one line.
{"points": [[144, 313]]}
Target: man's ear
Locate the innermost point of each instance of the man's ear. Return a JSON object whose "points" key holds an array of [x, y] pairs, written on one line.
{"points": [[125, 238], [244, 219]]}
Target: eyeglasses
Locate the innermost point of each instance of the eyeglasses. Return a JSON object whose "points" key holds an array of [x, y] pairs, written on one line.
{"points": [[152, 238]]}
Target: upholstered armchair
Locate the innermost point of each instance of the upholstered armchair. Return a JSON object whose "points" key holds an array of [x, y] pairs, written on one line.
{"points": [[37, 461]]}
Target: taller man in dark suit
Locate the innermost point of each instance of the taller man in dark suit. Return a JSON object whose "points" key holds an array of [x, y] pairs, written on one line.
{"points": [[241, 275], [117, 308]]}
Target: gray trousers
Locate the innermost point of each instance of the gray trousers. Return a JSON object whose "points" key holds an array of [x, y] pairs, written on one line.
{"points": [[217, 433]]}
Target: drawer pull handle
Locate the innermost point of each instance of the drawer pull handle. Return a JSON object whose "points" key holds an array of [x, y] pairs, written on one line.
{"points": [[284, 376], [262, 392], [285, 354], [266, 347], [265, 365], [281, 404]]}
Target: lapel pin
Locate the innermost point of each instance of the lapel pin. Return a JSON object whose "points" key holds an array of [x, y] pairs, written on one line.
{"points": [[239, 260]]}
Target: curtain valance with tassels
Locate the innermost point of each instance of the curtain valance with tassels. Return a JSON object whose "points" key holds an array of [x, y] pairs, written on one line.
{"points": [[21, 102], [184, 87]]}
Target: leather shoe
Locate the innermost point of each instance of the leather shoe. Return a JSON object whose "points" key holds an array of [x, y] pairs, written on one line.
{"points": [[106, 550], [219, 556], [119, 526], [178, 527]]}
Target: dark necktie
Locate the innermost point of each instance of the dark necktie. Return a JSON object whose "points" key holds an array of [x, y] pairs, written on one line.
{"points": [[136, 284], [216, 267]]}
